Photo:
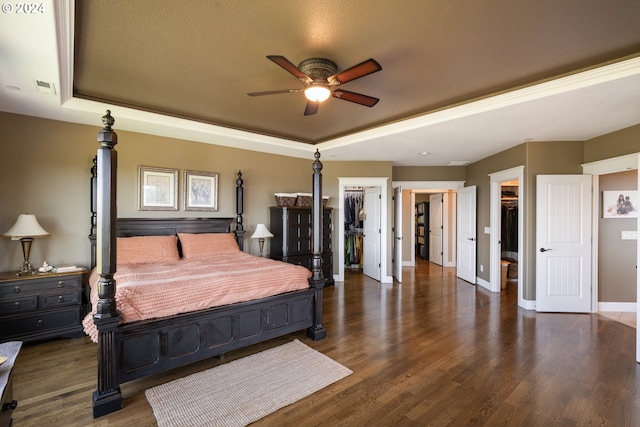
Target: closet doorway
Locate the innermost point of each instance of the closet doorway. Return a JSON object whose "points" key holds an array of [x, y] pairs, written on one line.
{"points": [[507, 249], [379, 224]]}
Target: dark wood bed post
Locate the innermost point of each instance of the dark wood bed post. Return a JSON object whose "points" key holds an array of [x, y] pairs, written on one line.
{"points": [[94, 210], [239, 209], [317, 280], [107, 398]]}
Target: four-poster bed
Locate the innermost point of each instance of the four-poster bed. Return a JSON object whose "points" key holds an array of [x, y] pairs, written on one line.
{"points": [[131, 350]]}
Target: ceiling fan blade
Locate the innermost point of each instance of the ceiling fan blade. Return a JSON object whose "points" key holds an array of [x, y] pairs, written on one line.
{"points": [[311, 108], [358, 98], [287, 65], [274, 92], [362, 69]]}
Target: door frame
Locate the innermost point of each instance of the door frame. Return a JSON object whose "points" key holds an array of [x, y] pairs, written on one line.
{"points": [[597, 168], [496, 179], [423, 187], [381, 182]]}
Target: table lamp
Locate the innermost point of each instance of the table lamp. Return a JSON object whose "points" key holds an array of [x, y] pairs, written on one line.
{"points": [[261, 233], [25, 229]]}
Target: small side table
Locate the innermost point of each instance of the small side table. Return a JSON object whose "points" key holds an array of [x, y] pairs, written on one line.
{"points": [[11, 350]]}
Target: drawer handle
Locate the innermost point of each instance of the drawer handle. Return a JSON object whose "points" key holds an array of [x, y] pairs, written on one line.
{"points": [[61, 284], [16, 290], [16, 305], [39, 323], [60, 298], [10, 406]]}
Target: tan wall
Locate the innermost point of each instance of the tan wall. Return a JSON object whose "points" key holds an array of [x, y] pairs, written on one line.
{"points": [[46, 167], [616, 257], [624, 141], [429, 173]]}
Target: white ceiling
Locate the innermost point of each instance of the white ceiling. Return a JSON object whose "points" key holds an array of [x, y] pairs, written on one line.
{"points": [[579, 105]]}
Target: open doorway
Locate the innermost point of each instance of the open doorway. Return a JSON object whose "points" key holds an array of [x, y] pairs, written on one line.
{"points": [[379, 226], [507, 228]]}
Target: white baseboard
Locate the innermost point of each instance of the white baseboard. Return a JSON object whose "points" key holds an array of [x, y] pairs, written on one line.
{"points": [[483, 283], [630, 307], [528, 304]]}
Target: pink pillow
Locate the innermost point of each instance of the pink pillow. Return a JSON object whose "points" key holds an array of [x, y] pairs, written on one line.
{"points": [[146, 249], [207, 244]]}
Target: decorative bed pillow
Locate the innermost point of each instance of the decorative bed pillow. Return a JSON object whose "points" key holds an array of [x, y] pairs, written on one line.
{"points": [[146, 249], [207, 244]]}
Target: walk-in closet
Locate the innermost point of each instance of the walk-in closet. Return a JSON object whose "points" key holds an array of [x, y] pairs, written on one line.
{"points": [[353, 227], [509, 233]]}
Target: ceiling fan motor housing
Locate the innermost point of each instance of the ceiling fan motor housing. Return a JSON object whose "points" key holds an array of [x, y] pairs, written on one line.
{"points": [[319, 69]]}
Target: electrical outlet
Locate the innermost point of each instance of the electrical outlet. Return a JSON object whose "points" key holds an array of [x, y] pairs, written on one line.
{"points": [[481, 268]]}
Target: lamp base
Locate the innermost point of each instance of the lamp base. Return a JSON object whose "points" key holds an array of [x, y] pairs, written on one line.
{"points": [[25, 268]]}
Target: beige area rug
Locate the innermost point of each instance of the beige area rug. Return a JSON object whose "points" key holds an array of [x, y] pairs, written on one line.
{"points": [[244, 390]]}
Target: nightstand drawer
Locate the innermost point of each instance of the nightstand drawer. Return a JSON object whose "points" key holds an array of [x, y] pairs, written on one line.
{"points": [[39, 322], [23, 286], [59, 300], [18, 305]]}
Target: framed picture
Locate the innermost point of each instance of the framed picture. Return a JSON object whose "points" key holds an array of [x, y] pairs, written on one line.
{"points": [[157, 189], [620, 204], [200, 191]]}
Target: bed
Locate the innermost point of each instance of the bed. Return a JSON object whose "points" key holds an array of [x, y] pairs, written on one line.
{"points": [[132, 349]]}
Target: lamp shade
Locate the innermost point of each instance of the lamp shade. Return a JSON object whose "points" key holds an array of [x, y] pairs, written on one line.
{"points": [[261, 232], [26, 226]]}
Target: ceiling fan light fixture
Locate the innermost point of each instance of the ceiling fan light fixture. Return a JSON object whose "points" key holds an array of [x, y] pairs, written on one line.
{"points": [[317, 93]]}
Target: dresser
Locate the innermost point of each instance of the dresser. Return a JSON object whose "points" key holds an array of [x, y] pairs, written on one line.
{"points": [[291, 242], [42, 305]]}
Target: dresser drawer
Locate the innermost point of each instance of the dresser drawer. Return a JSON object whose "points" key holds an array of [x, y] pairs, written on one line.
{"points": [[60, 299], [39, 322], [18, 305], [41, 284]]}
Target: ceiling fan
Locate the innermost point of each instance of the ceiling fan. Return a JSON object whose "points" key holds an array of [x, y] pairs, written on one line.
{"points": [[320, 78]]}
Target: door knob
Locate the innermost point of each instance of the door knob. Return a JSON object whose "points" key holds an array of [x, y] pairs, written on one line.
{"points": [[544, 250]]}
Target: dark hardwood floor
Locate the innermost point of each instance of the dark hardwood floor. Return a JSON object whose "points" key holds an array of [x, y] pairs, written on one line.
{"points": [[433, 350]]}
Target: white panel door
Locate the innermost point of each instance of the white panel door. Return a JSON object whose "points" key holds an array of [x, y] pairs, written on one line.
{"points": [[435, 228], [466, 218], [397, 234], [371, 231], [563, 243]]}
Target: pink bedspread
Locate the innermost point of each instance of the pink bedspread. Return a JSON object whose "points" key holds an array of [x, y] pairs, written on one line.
{"points": [[147, 291]]}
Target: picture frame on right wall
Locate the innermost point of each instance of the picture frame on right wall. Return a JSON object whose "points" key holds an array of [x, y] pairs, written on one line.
{"points": [[620, 204], [200, 191]]}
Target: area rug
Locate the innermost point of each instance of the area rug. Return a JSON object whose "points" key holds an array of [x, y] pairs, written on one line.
{"points": [[244, 390]]}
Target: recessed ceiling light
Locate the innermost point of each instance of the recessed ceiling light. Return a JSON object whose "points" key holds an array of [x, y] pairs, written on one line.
{"points": [[12, 87], [424, 153]]}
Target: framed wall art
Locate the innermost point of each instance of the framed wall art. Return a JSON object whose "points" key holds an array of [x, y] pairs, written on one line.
{"points": [[157, 189], [200, 191], [620, 204]]}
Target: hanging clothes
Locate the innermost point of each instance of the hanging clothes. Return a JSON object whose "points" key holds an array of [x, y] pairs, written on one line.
{"points": [[509, 235], [353, 239]]}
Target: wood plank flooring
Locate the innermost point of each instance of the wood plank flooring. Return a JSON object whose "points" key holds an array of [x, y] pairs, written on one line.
{"points": [[433, 350]]}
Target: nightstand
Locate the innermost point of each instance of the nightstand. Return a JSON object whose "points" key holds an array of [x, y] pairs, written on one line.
{"points": [[42, 305]]}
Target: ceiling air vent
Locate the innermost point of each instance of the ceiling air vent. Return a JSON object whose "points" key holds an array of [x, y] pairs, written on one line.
{"points": [[45, 87]]}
